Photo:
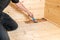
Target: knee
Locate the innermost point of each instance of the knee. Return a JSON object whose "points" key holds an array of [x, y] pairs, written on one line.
{"points": [[11, 27], [15, 27]]}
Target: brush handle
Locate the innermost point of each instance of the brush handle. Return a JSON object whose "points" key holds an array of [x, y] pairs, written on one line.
{"points": [[34, 20]]}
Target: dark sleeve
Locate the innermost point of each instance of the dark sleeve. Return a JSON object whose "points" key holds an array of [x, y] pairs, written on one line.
{"points": [[15, 1]]}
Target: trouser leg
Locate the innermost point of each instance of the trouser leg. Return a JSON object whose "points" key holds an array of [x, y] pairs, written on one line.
{"points": [[8, 22], [3, 33]]}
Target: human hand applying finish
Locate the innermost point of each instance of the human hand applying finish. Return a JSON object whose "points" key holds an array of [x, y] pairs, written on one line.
{"points": [[23, 8]]}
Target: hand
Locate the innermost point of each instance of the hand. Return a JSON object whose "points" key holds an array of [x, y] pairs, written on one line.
{"points": [[34, 20], [31, 15]]}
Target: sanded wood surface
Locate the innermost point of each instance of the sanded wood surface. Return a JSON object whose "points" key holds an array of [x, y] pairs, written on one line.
{"points": [[35, 31], [52, 11]]}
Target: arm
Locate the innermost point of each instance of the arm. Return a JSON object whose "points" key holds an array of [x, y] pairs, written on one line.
{"points": [[21, 6]]}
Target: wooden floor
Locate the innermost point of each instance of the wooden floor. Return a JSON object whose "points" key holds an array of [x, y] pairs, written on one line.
{"points": [[36, 31]]}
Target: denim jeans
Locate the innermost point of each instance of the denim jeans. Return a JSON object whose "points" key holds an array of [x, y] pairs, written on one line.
{"points": [[3, 33], [6, 24]]}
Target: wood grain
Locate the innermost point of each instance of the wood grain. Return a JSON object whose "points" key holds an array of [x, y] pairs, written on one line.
{"points": [[52, 11]]}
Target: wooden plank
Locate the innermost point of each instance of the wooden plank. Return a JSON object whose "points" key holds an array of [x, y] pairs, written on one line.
{"points": [[52, 11]]}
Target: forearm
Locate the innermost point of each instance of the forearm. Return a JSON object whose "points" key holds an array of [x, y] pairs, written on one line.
{"points": [[21, 6]]}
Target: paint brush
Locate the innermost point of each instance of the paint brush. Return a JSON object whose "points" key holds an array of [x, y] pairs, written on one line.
{"points": [[34, 20]]}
